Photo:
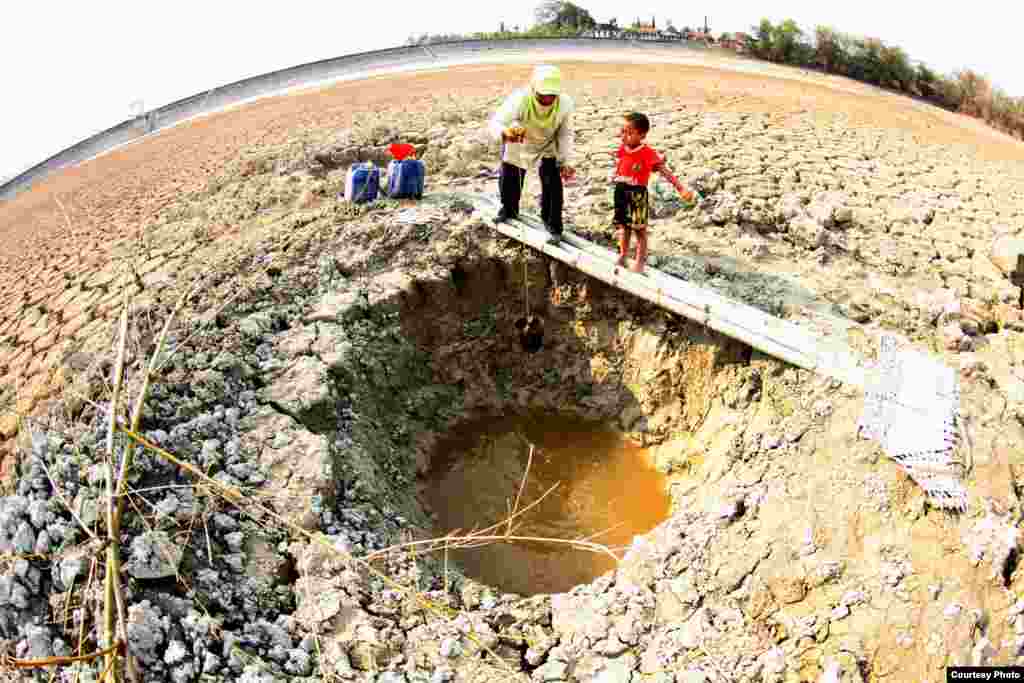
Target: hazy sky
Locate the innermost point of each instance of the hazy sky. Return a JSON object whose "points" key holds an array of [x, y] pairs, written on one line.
{"points": [[72, 69]]}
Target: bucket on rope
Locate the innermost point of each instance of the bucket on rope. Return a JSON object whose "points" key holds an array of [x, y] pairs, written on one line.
{"points": [[362, 183], [531, 333], [406, 173]]}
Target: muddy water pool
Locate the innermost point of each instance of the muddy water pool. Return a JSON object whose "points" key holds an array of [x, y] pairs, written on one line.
{"points": [[607, 492]]}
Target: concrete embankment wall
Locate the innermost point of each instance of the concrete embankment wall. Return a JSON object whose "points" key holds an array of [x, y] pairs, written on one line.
{"points": [[275, 82]]}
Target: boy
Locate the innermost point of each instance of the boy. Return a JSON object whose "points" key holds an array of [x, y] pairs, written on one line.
{"points": [[636, 162]]}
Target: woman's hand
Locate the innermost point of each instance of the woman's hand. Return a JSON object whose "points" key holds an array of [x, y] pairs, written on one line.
{"points": [[567, 172], [514, 134]]}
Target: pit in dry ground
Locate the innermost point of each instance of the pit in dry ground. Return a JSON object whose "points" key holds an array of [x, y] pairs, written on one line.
{"points": [[612, 402], [588, 481]]}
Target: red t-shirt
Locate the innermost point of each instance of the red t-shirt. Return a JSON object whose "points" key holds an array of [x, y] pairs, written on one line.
{"points": [[635, 167]]}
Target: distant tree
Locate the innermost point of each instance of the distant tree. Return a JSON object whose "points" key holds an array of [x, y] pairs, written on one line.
{"points": [[788, 44], [869, 57], [761, 45], [948, 93], [976, 91], [547, 12], [925, 80], [896, 69], [828, 50], [559, 14]]}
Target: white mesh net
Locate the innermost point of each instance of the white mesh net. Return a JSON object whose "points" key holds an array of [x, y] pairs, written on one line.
{"points": [[911, 406]]}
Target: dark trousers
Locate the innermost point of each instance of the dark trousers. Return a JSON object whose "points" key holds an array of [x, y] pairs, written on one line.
{"points": [[510, 188]]}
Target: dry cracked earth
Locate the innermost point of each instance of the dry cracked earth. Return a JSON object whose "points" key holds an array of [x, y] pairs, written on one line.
{"points": [[796, 551]]}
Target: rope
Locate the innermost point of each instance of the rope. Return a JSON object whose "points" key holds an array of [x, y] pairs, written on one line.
{"points": [[526, 286]]}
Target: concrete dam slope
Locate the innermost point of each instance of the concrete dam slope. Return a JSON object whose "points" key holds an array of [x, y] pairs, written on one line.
{"points": [[346, 67]]}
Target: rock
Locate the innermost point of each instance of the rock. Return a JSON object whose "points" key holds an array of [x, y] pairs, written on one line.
{"points": [[612, 647], [175, 652], [257, 324], [773, 662], [977, 317], [726, 208], [368, 655], [730, 510], [753, 247], [790, 206], [1005, 251], [913, 213], [732, 571], [951, 335], [235, 540], [24, 540], [38, 643], [982, 653], [995, 538], [299, 663], [615, 671], [831, 673], [450, 648], [830, 209], [256, 674], [71, 568], [785, 580], [807, 232], [154, 556], [38, 514], [576, 615], [697, 629], [551, 672], [299, 463], [303, 390], [211, 663], [145, 632], [42, 546], [1006, 315]]}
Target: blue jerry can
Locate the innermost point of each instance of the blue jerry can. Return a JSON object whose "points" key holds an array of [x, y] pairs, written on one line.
{"points": [[362, 183], [406, 178]]}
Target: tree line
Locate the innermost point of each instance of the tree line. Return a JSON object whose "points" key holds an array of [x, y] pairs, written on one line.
{"points": [[864, 59], [872, 61]]}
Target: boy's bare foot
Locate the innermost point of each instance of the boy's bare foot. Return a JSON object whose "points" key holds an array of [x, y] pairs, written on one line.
{"points": [[638, 269]]}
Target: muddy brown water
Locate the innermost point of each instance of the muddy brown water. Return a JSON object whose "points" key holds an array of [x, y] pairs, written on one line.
{"points": [[608, 491]]}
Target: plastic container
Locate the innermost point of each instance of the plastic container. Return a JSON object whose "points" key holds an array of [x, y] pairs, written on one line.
{"points": [[406, 178], [362, 183]]}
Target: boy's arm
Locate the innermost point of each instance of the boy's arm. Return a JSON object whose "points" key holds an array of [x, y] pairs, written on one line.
{"points": [[666, 173]]}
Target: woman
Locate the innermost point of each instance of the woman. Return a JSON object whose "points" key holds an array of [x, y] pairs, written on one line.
{"points": [[534, 125]]}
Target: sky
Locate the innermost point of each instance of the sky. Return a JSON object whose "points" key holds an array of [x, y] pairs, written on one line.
{"points": [[72, 69]]}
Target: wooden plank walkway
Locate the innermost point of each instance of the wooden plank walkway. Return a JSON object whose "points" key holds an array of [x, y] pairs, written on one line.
{"points": [[778, 338]]}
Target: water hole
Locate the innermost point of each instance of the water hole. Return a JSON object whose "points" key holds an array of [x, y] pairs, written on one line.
{"points": [[607, 492]]}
